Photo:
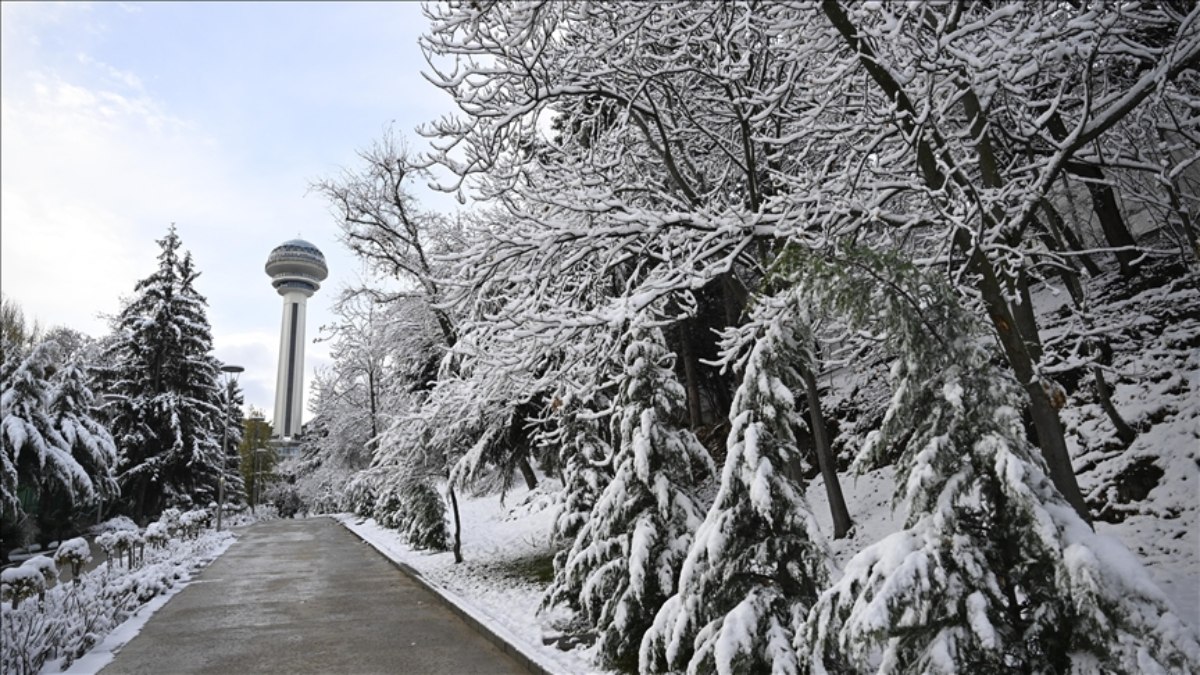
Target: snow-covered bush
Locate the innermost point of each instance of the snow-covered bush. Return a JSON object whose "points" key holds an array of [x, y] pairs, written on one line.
{"points": [[21, 583], [120, 545], [424, 522], [45, 565], [156, 534], [170, 518], [286, 499], [113, 524], [584, 455], [73, 552], [416, 509], [191, 522], [389, 507], [73, 619], [360, 494]]}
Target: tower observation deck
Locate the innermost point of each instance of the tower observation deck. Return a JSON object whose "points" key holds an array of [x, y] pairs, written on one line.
{"points": [[297, 269]]}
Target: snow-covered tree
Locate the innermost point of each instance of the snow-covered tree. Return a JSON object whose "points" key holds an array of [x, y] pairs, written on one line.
{"points": [[626, 558], [56, 453], [993, 571], [757, 562], [35, 453], [163, 390], [72, 407], [233, 428], [585, 458]]}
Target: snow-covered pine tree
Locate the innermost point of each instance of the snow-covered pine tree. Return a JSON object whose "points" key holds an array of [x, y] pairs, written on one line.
{"points": [[585, 457], [756, 564], [37, 458], [235, 483], [71, 406], [626, 558], [994, 571], [163, 388]]}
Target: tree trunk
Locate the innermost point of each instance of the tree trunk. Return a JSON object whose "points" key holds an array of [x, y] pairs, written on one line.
{"points": [[691, 374], [457, 525], [1104, 205], [374, 416], [1059, 229], [527, 473], [842, 524]]}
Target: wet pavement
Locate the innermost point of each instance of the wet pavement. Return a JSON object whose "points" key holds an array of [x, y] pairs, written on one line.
{"points": [[307, 596]]}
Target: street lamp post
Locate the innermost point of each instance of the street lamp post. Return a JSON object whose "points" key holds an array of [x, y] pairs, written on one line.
{"points": [[231, 374]]}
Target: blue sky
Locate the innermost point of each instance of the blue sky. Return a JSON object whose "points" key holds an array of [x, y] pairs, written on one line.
{"points": [[121, 118]]}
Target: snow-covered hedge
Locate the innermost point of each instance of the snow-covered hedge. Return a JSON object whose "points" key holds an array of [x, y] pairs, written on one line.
{"points": [[72, 618]]}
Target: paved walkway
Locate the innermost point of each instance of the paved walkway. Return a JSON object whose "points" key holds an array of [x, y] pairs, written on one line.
{"points": [[306, 596]]}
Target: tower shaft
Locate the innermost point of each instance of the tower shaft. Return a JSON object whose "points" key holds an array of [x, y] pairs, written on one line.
{"points": [[289, 383]]}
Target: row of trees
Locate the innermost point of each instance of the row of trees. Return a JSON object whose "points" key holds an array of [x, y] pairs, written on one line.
{"points": [[684, 213], [132, 423]]}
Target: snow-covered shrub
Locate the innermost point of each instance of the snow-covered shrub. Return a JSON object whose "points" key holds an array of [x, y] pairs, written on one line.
{"points": [[424, 521], [417, 510], [45, 565], [360, 494], [73, 552], [191, 522], [625, 560], [389, 506], [170, 518], [156, 534], [113, 524], [21, 583], [120, 544], [73, 619]]}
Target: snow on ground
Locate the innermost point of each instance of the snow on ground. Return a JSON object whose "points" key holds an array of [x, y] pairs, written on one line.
{"points": [[869, 500], [1150, 491], [506, 557]]}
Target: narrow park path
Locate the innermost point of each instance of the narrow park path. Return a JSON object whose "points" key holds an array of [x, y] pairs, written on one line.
{"points": [[306, 596]]}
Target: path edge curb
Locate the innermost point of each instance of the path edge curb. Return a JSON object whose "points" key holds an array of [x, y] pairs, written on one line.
{"points": [[531, 664]]}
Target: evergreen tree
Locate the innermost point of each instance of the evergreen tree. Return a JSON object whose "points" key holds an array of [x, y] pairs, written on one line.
{"points": [[755, 565], [994, 571], [70, 405], [57, 458], [626, 557], [585, 458], [254, 455], [163, 383], [233, 423]]}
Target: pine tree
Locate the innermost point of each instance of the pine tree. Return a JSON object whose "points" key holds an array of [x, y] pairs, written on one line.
{"points": [[36, 455], [233, 422], [584, 455], [626, 557], [994, 571], [70, 404], [756, 564], [165, 408]]}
